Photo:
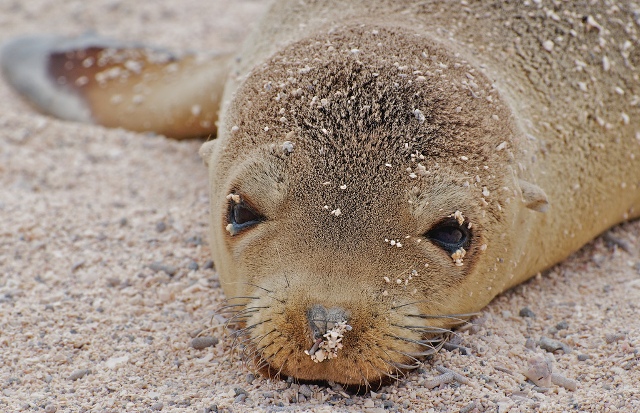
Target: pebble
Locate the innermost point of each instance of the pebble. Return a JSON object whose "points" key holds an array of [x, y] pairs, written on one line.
{"points": [[168, 269], [387, 404], [612, 338], [368, 403], [50, 408], [193, 266], [551, 345], [567, 383], [78, 374], [194, 241], [539, 371], [208, 265], [562, 325], [526, 312], [161, 226], [157, 406], [239, 390], [583, 357], [113, 282], [240, 398], [250, 378], [468, 408], [200, 343], [305, 391]]}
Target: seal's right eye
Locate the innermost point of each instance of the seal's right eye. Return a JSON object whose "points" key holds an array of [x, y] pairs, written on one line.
{"points": [[241, 216], [449, 235]]}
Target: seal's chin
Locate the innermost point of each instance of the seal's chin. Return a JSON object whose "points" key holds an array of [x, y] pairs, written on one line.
{"points": [[332, 343]]}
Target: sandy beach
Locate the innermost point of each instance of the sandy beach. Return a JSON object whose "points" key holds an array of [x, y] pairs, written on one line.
{"points": [[105, 272]]}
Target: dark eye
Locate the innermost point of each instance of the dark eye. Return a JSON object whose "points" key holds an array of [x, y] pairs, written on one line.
{"points": [[241, 216], [449, 235]]}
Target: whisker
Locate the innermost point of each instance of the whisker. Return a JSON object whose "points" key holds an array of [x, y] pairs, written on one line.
{"points": [[462, 315], [424, 343], [429, 344], [381, 372], [459, 318], [397, 367], [228, 306], [425, 329], [241, 297], [244, 330], [249, 310], [255, 343], [417, 362]]}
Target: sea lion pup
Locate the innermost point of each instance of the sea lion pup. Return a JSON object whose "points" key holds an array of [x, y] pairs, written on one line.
{"points": [[384, 168]]}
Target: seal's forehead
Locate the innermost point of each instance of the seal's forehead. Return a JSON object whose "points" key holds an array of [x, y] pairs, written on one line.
{"points": [[349, 88]]}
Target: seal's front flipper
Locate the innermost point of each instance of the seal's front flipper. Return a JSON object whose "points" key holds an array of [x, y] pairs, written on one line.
{"points": [[96, 80]]}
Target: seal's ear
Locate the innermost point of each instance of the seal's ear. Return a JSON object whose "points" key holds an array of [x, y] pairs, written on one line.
{"points": [[533, 196], [207, 149]]}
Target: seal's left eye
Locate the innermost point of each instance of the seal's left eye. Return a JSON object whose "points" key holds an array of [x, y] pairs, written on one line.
{"points": [[449, 235], [242, 216]]}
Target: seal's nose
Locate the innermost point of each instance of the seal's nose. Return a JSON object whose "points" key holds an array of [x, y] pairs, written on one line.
{"points": [[327, 329], [322, 319]]}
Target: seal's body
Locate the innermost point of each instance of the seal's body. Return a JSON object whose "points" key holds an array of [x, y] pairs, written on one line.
{"points": [[384, 168]]}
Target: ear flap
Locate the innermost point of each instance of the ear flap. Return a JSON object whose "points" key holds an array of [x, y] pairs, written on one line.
{"points": [[207, 149], [533, 196]]}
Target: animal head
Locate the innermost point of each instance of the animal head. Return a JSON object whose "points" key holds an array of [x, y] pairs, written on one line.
{"points": [[361, 179]]}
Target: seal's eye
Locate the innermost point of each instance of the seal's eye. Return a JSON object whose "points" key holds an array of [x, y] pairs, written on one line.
{"points": [[241, 216], [449, 235]]}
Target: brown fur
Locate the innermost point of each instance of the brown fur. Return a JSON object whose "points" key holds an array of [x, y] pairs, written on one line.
{"points": [[487, 81], [499, 110]]}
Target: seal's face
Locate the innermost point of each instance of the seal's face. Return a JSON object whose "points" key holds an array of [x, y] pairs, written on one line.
{"points": [[350, 194]]}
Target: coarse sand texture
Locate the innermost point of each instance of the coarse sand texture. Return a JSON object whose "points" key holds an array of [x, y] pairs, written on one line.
{"points": [[105, 278]]}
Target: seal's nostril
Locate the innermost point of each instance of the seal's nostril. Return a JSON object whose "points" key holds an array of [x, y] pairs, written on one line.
{"points": [[327, 329], [322, 319]]}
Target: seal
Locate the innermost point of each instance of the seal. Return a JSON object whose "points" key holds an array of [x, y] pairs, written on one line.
{"points": [[383, 170]]}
